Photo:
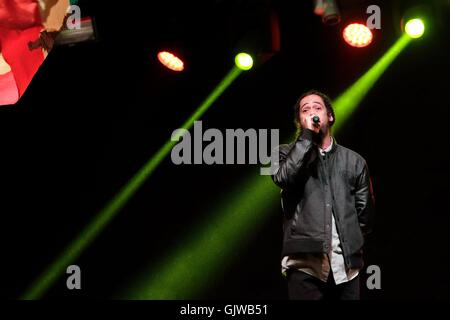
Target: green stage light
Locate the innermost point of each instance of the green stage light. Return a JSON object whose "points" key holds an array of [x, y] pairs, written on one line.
{"points": [[76, 247], [415, 28], [244, 61]]}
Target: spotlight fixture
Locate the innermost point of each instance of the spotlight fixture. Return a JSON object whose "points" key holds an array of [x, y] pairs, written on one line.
{"points": [[171, 61], [244, 61], [328, 10], [415, 28], [357, 35]]}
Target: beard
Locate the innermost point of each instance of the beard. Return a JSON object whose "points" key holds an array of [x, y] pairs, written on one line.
{"points": [[318, 138]]}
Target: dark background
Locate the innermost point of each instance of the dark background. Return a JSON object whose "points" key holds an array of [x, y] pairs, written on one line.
{"points": [[96, 112]]}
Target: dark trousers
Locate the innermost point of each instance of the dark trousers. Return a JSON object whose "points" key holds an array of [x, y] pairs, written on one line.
{"points": [[302, 286]]}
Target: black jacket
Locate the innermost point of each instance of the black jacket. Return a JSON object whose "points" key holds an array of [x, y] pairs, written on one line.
{"points": [[313, 188]]}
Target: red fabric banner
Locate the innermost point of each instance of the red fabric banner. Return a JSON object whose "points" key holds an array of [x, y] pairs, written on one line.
{"points": [[23, 43]]}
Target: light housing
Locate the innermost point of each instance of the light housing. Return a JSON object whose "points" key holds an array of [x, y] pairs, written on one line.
{"points": [[357, 35], [244, 61], [415, 28], [170, 61]]}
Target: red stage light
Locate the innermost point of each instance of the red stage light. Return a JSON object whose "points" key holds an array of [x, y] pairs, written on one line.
{"points": [[357, 35], [170, 61]]}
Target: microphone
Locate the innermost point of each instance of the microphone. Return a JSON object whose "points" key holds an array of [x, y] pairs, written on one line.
{"points": [[316, 119]]}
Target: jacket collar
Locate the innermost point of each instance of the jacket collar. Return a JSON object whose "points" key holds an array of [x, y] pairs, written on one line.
{"points": [[334, 145]]}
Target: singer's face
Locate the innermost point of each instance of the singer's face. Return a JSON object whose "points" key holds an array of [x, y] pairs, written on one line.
{"points": [[311, 106]]}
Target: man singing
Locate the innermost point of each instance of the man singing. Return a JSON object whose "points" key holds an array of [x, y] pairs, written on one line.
{"points": [[327, 202]]}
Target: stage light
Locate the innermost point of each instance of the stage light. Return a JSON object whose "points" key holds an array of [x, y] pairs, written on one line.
{"points": [[357, 35], [244, 61], [170, 61], [329, 11], [415, 28], [188, 271], [86, 32]]}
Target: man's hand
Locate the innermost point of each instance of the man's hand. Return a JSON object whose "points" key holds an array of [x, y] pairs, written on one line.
{"points": [[311, 125]]}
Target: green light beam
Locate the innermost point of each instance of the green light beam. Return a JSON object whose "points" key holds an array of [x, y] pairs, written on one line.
{"points": [[91, 231], [347, 102], [204, 255], [186, 272]]}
